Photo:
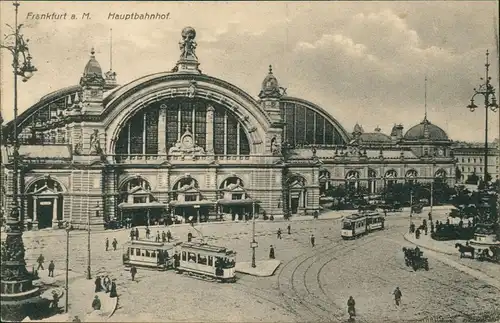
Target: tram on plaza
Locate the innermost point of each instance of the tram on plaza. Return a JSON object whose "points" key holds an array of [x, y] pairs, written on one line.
{"points": [[356, 225], [197, 259], [207, 261], [149, 254]]}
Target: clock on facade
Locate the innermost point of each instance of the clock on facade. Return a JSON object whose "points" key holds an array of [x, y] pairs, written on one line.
{"points": [[187, 141], [440, 152]]}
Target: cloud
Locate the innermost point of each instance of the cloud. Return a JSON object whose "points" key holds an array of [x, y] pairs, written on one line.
{"points": [[362, 61]]}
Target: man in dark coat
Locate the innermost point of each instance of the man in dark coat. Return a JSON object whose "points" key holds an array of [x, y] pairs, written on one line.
{"points": [[148, 232], [289, 228], [40, 262], [133, 272], [279, 234], [397, 296], [96, 303], [112, 291], [132, 234], [51, 268], [271, 252], [98, 285], [107, 244], [115, 243], [351, 305], [313, 240], [169, 235], [163, 236], [136, 234]]}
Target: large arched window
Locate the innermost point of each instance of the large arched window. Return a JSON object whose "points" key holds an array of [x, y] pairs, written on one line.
{"points": [[140, 135], [391, 177], [411, 176], [304, 126], [352, 179], [135, 190], [440, 176]]}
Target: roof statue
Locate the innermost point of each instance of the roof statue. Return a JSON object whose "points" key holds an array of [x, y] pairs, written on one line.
{"points": [[188, 62], [188, 45]]}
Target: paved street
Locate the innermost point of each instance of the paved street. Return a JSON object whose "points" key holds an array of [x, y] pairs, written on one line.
{"points": [[312, 284]]}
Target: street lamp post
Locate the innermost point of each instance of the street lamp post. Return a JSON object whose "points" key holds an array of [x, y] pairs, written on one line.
{"points": [[89, 270], [254, 243], [490, 103], [66, 287], [14, 275]]}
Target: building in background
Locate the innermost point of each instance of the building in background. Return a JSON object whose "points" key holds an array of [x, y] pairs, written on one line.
{"points": [[470, 160], [183, 143]]}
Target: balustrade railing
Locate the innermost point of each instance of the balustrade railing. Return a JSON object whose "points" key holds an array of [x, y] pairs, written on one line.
{"points": [[222, 159]]}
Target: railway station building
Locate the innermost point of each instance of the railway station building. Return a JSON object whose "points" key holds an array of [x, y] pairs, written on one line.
{"points": [[183, 143]]}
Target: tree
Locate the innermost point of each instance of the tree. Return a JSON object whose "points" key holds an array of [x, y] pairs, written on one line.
{"points": [[472, 179], [458, 174]]}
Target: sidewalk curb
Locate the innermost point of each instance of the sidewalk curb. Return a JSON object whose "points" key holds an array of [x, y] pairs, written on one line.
{"points": [[115, 307], [425, 247]]}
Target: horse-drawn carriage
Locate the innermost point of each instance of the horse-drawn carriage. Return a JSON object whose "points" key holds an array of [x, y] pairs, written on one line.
{"points": [[417, 208], [486, 246], [414, 259]]}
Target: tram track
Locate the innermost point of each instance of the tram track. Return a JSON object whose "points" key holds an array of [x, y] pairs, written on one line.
{"points": [[425, 276]]}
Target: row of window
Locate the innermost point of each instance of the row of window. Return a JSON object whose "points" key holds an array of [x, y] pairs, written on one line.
{"points": [[140, 134], [475, 160], [471, 169]]}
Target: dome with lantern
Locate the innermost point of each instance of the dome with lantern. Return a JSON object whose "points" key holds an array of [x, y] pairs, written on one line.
{"points": [[425, 130], [92, 72], [270, 86]]}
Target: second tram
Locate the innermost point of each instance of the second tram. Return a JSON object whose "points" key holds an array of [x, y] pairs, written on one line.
{"points": [[359, 224]]}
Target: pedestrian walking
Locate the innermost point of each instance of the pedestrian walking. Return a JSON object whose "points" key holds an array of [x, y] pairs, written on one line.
{"points": [[115, 244], [97, 283], [51, 268], [107, 283], [40, 260], [96, 303], [148, 233], [133, 272], [397, 296], [132, 234], [430, 216], [279, 233], [55, 300], [169, 236], [107, 244], [289, 228], [163, 236], [136, 234], [112, 291], [157, 236], [271, 252], [313, 240]]}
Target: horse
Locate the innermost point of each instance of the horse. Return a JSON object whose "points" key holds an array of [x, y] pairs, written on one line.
{"points": [[463, 249]]}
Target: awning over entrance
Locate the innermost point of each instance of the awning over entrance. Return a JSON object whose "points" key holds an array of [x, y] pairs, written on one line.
{"points": [[238, 202], [152, 205], [194, 204]]}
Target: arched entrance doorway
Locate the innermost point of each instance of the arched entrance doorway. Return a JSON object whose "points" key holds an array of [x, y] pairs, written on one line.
{"points": [[45, 203], [234, 199], [391, 178], [352, 180], [297, 197], [138, 206], [188, 202]]}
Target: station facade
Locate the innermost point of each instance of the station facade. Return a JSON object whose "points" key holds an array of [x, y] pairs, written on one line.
{"points": [[183, 143]]}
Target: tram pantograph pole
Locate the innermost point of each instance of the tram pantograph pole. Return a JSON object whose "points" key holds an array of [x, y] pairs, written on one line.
{"points": [[68, 228]]}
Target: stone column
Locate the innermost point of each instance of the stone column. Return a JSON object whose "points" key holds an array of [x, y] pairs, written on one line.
{"points": [[35, 215], [54, 213], [162, 126], [210, 130]]}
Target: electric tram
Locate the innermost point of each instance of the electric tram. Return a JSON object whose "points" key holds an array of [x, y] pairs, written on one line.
{"points": [[206, 261], [358, 224], [149, 254]]}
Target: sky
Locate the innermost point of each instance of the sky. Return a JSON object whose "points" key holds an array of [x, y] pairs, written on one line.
{"points": [[363, 62]]}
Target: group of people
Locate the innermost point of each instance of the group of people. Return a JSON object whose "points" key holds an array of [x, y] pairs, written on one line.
{"points": [[159, 237], [114, 243], [279, 234], [41, 260]]}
